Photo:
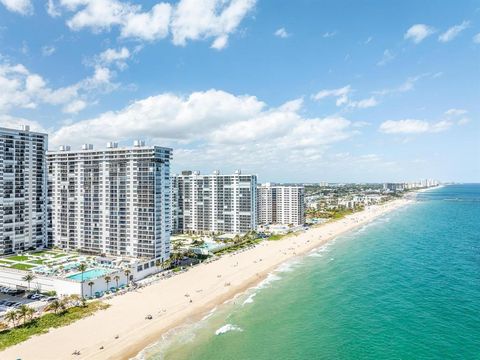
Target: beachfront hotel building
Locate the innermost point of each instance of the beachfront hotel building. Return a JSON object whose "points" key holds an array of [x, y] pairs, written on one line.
{"points": [[23, 190], [281, 204], [113, 201], [214, 203]]}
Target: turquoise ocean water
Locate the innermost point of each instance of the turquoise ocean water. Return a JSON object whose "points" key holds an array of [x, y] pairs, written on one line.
{"points": [[406, 286]]}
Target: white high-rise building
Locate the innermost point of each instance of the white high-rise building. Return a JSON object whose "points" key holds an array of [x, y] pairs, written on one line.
{"points": [[214, 203], [281, 204], [114, 201], [23, 190]]}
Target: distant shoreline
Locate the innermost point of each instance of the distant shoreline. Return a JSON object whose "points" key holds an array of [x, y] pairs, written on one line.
{"points": [[168, 301]]}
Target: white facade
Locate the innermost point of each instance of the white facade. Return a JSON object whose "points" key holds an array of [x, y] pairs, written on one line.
{"points": [[23, 190], [281, 204], [214, 203], [114, 201]]}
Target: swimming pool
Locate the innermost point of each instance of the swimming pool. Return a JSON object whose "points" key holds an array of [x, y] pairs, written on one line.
{"points": [[89, 274]]}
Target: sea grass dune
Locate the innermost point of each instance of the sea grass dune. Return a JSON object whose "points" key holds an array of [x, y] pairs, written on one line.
{"points": [[122, 330]]}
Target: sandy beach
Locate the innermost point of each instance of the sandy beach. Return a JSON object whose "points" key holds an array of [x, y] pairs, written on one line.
{"points": [[122, 329]]}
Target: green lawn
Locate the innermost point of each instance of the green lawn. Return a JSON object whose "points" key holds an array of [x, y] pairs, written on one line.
{"points": [[18, 257], [39, 262], [46, 322], [22, 266]]}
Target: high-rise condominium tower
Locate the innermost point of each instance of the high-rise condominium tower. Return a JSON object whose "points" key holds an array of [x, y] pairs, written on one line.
{"points": [[281, 204], [23, 190], [114, 201], [214, 203]]}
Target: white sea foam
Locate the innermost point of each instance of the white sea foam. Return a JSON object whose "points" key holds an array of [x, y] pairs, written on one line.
{"points": [[210, 313], [268, 280], [286, 267], [249, 300], [227, 328]]}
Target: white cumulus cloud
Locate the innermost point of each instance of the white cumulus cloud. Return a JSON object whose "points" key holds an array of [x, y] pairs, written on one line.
{"points": [[417, 33], [214, 126], [185, 20], [23, 7]]}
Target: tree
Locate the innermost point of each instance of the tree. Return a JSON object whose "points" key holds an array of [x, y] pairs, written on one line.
{"points": [[24, 312], [82, 268], [167, 264], [127, 273], [116, 279], [107, 280], [55, 305], [73, 299], [91, 283], [11, 316], [30, 313], [28, 278]]}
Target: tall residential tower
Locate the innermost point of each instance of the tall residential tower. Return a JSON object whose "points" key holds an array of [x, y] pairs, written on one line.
{"points": [[114, 201], [214, 203], [23, 190], [281, 204]]}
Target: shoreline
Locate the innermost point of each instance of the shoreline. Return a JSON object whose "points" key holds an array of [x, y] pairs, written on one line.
{"points": [[186, 297]]}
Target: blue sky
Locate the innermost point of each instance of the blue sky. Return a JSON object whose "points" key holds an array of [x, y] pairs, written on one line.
{"points": [[294, 91]]}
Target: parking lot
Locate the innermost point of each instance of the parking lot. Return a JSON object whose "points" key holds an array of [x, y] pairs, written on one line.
{"points": [[12, 299]]}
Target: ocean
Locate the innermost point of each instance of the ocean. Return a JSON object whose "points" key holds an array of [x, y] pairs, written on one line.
{"points": [[406, 286]]}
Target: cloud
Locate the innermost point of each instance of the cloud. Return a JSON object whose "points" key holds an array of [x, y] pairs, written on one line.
{"points": [[386, 58], [329, 34], [455, 112], [22, 88], [341, 95], [406, 86], [148, 26], [281, 33], [48, 50], [417, 33], [363, 104], [52, 9], [413, 126], [13, 122], [113, 56], [458, 115], [476, 38], [74, 107], [453, 32], [203, 19], [342, 98], [214, 127], [23, 7], [185, 20]]}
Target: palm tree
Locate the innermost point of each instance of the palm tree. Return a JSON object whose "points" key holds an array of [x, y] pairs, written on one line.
{"points": [[127, 273], [107, 280], [167, 263], [116, 279], [82, 268], [73, 299], [55, 305], [91, 283], [30, 313], [24, 311], [28, 278], [11, 316]]}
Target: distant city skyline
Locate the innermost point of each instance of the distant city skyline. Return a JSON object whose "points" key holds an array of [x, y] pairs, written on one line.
{"points": [[345, 91]]}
